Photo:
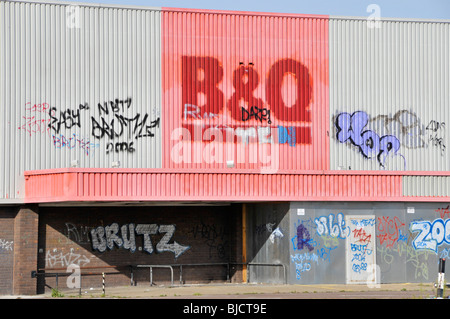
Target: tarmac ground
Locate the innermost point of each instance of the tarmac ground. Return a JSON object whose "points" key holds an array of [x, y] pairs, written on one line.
{"points": [[250, 291]]}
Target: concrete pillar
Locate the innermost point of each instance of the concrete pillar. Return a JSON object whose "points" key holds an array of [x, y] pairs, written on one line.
{"points": [[25, 250]]}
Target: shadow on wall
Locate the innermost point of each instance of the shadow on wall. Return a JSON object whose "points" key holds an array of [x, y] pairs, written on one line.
{"points": [[111, 239], [267, 234]]}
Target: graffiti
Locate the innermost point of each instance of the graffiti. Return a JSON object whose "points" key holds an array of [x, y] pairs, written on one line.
{"points": [[120, 147], [202, 98], [115, 106], [405, 125], [303, 238], [360, 252], [361, 236], [430, 234], [351, 127], [193, 111], [108, 237], [53, 258], [277, 233], [382, 136], [260, 229], [444, 211], [35, 121], [416, 259], [436, 131], [229, 134], [326, 225], [214, 237], [67, 118], [287, 135], [6, 245], [259, 114], [74, 141], [389, 230], [78, 234], [302, 262], [325, 253], [119, 126]]}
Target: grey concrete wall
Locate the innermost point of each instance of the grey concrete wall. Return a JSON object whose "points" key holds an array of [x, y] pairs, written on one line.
{"points": [[360, 243]]}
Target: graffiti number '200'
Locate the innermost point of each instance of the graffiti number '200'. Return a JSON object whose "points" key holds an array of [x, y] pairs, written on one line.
{"points": [[431, 234]]}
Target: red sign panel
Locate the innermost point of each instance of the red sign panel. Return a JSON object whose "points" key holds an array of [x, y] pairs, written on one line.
{"points": [[244, 91]]}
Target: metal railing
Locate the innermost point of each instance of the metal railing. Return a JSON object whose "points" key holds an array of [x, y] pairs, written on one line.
{"points": [[205, 264], [50, 272], [151, 272]]}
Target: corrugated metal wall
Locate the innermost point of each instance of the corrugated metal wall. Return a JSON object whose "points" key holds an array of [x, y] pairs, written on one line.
{"points": [[103, 86], [81, 86], [391, 85], [257, 81]]}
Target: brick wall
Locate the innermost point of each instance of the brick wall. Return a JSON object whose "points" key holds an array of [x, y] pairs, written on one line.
{"points": [[25, 250], [162, 235], [7, 215]]}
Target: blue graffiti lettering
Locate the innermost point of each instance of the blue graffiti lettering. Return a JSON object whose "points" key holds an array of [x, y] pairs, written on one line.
{"points": [[431, 234], [327, 226]]}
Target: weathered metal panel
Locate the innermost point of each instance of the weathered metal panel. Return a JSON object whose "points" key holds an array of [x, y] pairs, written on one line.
{"points": [[428, 186], [81, 86], [255, 84], [389, 85], [83, 184], [405, 240], [267, 231]]}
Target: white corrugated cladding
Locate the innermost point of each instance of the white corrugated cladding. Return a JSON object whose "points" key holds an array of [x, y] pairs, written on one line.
{"points": [[393, 81], [80, 86]]}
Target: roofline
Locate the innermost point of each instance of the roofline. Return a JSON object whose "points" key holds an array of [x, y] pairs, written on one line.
{"points": [[234, 12]]}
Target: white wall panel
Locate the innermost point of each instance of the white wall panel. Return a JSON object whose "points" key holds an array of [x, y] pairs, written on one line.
{"points": [[58, 63], [398, 75]]}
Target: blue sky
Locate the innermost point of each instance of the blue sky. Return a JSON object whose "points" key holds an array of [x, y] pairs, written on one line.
{"points": [[425, 9]]}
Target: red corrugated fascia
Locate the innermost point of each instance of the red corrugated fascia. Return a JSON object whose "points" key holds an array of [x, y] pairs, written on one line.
{"points": [[78, 184]]}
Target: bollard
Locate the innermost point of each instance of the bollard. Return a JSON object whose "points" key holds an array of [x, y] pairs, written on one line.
{"points": [[440, 288], [103, 282]]}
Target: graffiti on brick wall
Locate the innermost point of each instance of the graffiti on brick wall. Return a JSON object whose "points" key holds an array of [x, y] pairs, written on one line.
{"points": [[6, 245], [214, 237], [107, 237], [55, 258], [78, 233]]}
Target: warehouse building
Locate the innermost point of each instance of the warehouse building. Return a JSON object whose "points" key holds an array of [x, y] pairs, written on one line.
{"points": [[220, 146]]}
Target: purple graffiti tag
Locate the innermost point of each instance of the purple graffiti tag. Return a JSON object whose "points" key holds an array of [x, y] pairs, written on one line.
{"points": [[303, 238], [350, 127]]}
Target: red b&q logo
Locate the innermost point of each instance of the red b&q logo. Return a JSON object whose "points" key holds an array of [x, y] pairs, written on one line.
{"points": [[204, 74]]}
